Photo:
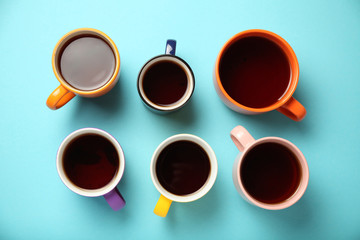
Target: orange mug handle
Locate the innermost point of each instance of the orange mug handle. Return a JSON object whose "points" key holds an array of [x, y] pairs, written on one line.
{"points": [[59, 97], [293, 109]]}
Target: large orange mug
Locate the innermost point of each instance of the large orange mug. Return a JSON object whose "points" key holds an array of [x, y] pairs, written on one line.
{"points": [[84, 48], [257, 71]]}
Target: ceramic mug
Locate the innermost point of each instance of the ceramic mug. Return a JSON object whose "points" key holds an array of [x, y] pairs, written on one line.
{"points": [[169, 56], [166, 198], [65, 92], [286, 104], [246, 143], [109, 191]]}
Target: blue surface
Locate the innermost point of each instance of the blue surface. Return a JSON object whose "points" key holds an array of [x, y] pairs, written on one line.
{"points": [[35, 204]]}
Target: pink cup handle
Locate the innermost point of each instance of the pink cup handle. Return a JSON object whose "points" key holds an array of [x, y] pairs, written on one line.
{"points": [[241, 137], [114, 199]]}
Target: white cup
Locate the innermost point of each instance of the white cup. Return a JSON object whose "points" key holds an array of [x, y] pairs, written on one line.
{"points": [[166, 198], [109, 191]]}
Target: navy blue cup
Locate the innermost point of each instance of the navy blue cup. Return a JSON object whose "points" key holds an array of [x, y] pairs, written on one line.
{"points": [[169, 56]]}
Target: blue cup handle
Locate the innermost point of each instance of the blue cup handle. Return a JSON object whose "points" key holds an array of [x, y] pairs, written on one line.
{"points": [[170, 47]]}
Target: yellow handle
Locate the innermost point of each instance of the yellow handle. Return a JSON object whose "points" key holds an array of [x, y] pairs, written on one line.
{"points": [[59, 97], [162, 206]]}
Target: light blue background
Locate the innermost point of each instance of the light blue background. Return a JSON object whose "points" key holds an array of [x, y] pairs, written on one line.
{"points": [[35, 204]]}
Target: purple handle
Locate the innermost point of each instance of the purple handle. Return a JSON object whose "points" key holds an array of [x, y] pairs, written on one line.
{"points": [[114, 199]]}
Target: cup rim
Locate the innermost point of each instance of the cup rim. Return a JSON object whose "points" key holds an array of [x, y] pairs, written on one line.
{"points": [[207, 185], [287, 49], [189, 91], [72, 34], [304, 174], [90, 192]]}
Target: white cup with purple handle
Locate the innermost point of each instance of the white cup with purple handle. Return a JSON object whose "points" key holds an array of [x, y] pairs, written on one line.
{"points": [[91, 163]]}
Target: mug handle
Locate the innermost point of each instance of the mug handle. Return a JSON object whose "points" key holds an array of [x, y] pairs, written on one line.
{"points": [[162, 206], [115, 199], [241, 137], [293, 110], [170, 47], [59, 97]]}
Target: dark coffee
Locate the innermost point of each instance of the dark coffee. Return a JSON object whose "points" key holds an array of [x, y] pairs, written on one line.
{"points": [[165, 83], [270, 173], [183, 167], [255, 72], [90, 161], [87, 63]]}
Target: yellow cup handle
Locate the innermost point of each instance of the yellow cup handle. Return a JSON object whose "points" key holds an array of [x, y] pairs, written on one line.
{"points": [[59, 97], [162, 206]]}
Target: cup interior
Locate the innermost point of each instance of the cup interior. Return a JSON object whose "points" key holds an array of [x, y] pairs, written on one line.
{"points": [[70, 37], [189, 78], [287, 51], [211, 176], [296, 193], [64, 176]]}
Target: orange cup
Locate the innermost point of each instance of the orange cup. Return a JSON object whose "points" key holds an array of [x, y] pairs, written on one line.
{"points": [[287, 104], [65, 92]]}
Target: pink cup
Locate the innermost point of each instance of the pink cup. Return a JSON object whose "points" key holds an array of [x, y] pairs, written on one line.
{"points": [[245, 142]]}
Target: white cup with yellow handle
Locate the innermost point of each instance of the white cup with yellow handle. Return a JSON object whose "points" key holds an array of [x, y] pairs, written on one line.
{"points": [[183, 169]]}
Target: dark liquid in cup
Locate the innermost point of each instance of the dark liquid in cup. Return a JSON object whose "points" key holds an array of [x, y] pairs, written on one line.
{"points": [[270, 173], [255, 72], [183, 167], [90, 161], [87, 63], [165, 83]]}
